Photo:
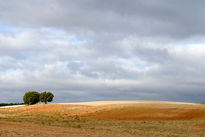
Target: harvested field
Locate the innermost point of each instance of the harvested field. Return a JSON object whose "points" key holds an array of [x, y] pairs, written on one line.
{"points": [[104, 118]]}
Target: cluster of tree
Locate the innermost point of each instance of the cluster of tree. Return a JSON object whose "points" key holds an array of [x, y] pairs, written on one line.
{"points": [[33, 97], [10, 104]]}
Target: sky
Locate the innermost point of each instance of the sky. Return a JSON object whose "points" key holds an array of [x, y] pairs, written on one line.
{"points": [[92, 50]]}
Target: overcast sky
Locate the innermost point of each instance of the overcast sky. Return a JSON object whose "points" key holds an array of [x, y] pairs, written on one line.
{"points": [[87, 50]]}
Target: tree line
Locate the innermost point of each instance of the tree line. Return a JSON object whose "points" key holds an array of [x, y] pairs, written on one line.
{"points": [[10, 104], [33, 97]]}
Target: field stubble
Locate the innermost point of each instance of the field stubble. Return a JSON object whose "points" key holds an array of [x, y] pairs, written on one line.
{"points": [[149, 119]]}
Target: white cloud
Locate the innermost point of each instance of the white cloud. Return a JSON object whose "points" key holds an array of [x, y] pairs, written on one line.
{"points": [[96, 50]]}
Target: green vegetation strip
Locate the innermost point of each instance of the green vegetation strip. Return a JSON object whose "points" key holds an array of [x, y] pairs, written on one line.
{"points": [[10, 104]]}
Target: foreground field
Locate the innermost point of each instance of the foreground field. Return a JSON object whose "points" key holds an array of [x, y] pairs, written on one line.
{"points": [[115, 118]]}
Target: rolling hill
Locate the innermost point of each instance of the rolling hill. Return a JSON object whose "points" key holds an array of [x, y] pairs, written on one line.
{"points": [[119, 118]]}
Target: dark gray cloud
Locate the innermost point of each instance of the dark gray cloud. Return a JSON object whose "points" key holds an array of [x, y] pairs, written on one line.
{"points": [[169, 18], [87, 50]]}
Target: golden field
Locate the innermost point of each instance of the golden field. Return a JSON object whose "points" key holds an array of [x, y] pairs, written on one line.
{"points": [[105, 118]]}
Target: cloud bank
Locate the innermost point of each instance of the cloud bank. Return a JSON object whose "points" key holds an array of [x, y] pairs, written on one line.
{"points": [[88, 50]]}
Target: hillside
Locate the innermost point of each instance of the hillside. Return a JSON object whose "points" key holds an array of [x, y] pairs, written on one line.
{"points": [[106, 117]]}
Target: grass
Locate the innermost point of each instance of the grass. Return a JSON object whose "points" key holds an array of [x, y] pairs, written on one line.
{"points": [[146, 120]]}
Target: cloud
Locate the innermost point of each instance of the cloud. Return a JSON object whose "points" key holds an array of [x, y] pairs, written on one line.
{"points": [[102, 50], [158, 18]]}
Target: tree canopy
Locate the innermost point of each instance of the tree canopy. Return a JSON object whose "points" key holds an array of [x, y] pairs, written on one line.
{"points": [[31, 97], [46, 97]]}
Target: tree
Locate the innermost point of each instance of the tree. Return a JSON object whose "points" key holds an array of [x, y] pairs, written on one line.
{"points": [[31, 97], [46, 97]]}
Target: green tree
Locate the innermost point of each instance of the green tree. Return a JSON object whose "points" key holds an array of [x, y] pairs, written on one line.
{"points": [[31, 97], [46, 97]]}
